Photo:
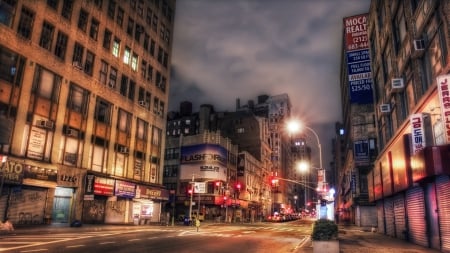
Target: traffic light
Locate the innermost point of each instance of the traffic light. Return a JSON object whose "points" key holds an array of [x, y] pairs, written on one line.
{"points": [[238, 186], [273, 181]]}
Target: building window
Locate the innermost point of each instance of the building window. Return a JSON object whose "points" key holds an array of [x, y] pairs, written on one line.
{"points": [[116, 47], [7, 9], [130, 26], [61, 45], [78, 51], [144, 69], [67, 8], [26, 23], [160, 55], [112, 77], [78, 99], [167, 36], [146, 41], [134, 62], [107, 39], [162, 31], [152, 48], [47, 36], [83, 20], [132, 90], [240, 130], [119, 19], [89, 63], [150, 73], [123, 85], [103, 72], [155, 23], [93, 32], [165, 60], [98, 3], [53, 4], [140, 8], [111, 9], [102, 112], [148, 18], [127, 55], [138, 32]]}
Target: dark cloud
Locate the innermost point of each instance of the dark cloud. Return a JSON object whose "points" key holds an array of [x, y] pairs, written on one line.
{"points": [[229, 49]]}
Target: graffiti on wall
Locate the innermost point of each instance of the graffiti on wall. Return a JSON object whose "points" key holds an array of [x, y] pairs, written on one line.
{"points": [[26, 206]]}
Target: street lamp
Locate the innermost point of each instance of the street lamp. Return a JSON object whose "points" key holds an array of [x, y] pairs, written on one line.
{"points": [[294, 126]]}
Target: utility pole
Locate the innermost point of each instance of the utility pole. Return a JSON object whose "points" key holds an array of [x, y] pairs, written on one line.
{"points": [[190, 200]]}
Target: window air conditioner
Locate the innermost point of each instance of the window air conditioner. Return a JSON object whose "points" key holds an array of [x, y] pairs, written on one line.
{"points": [[72, 133], [123, 150], [385, 108], [77, 65], [419, 45], [142, 103], [45, 124], [397, 84]]}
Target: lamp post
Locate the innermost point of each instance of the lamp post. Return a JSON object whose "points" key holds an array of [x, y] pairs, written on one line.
{"points": [[190, 199]]}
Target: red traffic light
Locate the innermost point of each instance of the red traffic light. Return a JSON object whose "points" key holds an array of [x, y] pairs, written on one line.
{"points": [[238, 186], [218, 183], [190, 191]]}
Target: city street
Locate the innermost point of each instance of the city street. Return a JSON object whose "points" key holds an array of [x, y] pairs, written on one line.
{"points": [[211, 237]]}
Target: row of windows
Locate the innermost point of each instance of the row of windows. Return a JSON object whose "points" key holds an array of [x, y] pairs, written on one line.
{"points": [[129, 58], [127, 86]]}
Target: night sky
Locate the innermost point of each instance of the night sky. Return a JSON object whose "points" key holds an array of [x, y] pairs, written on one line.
{"points": [[229, 49]]}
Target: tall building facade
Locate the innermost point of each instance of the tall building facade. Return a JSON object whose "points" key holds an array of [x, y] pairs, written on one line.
{"points": [[408, 181], [84, 89]]}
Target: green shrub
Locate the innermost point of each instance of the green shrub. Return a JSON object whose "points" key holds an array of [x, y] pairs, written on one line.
{"points": [[324, 230]]}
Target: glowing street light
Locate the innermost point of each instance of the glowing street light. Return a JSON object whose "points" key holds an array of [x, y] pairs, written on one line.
{"points": [[294, 126]]}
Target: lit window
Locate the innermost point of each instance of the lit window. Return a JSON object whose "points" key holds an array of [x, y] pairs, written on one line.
{"points": [[127, 55], [116, 47], [134, 62]]}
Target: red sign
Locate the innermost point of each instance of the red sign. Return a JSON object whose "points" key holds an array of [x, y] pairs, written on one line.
{"points": [[104, 186], [356, 32]]}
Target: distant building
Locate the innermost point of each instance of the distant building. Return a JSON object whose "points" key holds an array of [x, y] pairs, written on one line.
{"points": [[256, 131], [85, 84]]}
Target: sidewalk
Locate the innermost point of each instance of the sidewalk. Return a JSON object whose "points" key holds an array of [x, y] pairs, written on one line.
{"points": [[354, 239]]}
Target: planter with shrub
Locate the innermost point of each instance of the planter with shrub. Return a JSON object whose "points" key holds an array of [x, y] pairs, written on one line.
{"points": [[325, 236]]}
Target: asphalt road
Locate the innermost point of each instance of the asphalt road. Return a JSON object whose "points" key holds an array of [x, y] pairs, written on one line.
{"points": [[214, 238]]}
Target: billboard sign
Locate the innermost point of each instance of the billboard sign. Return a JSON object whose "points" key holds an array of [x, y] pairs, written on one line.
{"points": [[358, 59], [208, 161], [443, 85]]}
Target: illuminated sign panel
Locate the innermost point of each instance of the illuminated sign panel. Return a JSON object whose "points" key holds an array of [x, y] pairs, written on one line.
{"points": [[358, 59], [443, 85]]}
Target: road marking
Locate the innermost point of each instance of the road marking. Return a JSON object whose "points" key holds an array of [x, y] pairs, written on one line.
{"points": [[106, 243], [132, 240], [76, 246], [34, 250]]}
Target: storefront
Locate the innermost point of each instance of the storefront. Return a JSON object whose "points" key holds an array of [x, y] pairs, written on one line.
{"points": [[148, 203], [25, 191]]}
